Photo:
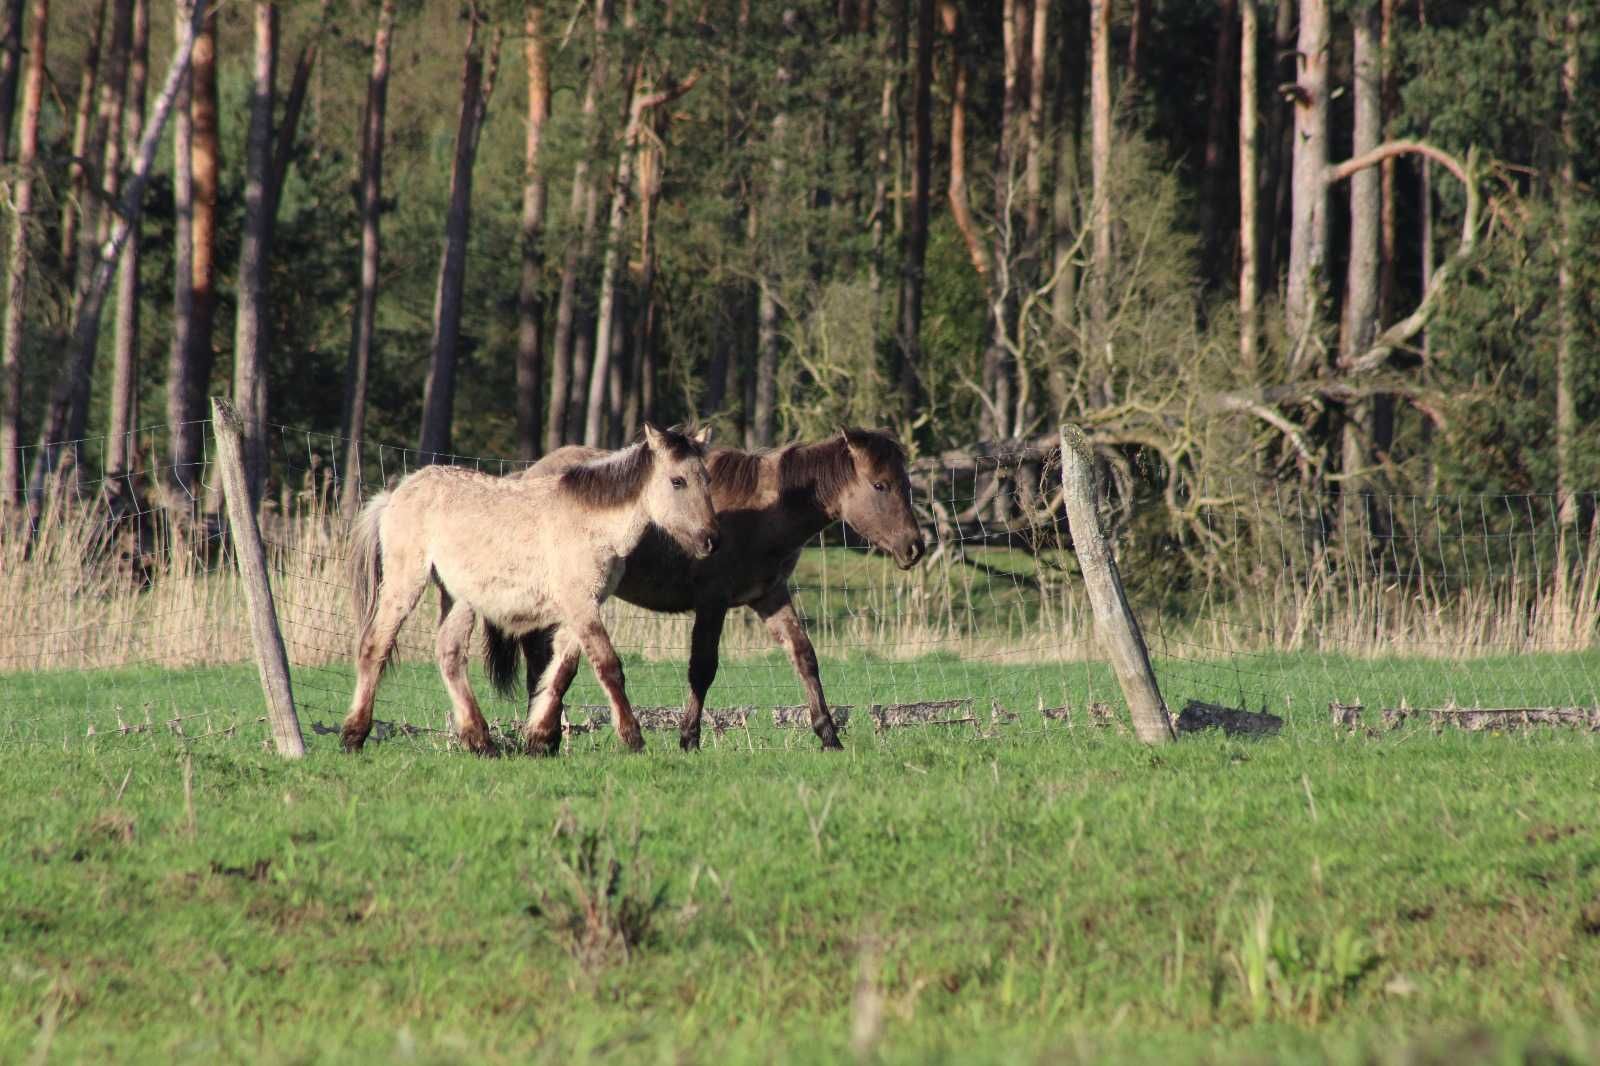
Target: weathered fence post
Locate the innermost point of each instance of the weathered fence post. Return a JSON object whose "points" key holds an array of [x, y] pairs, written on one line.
{"points": [[1114, 622], [271, 660]]}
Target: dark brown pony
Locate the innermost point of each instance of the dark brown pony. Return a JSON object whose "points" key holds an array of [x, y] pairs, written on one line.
{"points": [[769, 504]]}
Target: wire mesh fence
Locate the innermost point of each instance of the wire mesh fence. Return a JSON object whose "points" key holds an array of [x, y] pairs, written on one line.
{"points": [[123, 619]]}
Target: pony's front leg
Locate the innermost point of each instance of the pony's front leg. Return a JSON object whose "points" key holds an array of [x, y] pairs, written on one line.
{"points": [[451, 643], [783, 623], [702, 671], [542, 734], [397, 598], [596, 642]]}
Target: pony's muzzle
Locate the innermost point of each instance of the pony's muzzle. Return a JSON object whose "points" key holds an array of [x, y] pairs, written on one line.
{"points": [[911, 554]]}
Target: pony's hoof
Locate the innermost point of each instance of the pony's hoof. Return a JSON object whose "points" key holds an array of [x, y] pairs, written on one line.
{"points": [[633, 742], [353, 742], [689, 741], [543, 745], [832, 744]]}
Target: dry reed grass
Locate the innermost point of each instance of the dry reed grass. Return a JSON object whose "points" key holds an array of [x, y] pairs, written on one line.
{"points": [[82, 593]]}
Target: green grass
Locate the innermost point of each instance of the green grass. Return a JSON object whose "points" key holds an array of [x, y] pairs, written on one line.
{"points": [[1042, 894]]}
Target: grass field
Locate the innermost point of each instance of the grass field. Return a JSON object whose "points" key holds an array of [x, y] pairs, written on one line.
{"points": [[1038, 894]]}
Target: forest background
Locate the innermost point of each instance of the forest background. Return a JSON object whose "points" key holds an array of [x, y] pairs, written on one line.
{"points": [[493, 228]]}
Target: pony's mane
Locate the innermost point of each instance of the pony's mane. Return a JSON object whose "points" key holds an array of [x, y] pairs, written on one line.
{"points": [[825, 467], [618, 479]]}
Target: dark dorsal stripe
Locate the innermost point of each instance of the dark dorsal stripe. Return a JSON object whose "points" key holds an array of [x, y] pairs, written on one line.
{"points": [[619, 479], [825, 468]]}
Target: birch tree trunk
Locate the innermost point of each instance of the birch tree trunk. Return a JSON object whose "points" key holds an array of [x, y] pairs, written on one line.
{"points": [[19, 261], [1249, 257], [250, 324], [124, 413], [359, 363], [1308, 228], [530, 297], [439, 391]]}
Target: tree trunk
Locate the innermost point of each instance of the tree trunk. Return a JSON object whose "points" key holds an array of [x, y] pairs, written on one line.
{"points": [[250, 324], [763, 410], [960, 210], [914, 253], [598, 399], [86, 325], [1249, 279], [1212, 193], [106, 146], [1138, 27], [894, 32], [1033, 173], [1100, 174], [1567, 286], [616, 237], [294, 106], [582, 211], [1389, 101], [439, 391], [184, 430], [19, 261], [530, 296], [74, 206], [205, 147], [361, 329], [1308, 228], [10, 70], [1279, 136], [124, 413], [1359, 322], [1065, 221]]}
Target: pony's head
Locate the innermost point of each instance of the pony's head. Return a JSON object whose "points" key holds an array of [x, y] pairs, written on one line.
{"points": [[877, 500], [677, 496]]}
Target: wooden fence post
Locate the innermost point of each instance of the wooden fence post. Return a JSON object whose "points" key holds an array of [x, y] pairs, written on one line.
{"points": [[271, 660], [1114, 622]]}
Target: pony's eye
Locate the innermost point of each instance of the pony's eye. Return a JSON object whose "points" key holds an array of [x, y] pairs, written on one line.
{"points": [[881, 486], [679, 483]]}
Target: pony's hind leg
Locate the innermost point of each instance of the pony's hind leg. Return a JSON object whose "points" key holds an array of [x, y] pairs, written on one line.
{"points": [[451, 644], [542, 734], [397, 598]]}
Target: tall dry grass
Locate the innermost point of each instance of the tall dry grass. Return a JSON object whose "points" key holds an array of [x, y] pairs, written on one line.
{"points": [[80, 592]]}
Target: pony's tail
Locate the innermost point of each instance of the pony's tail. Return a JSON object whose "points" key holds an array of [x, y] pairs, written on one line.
{"points": [[500, 655], [366, 561]]}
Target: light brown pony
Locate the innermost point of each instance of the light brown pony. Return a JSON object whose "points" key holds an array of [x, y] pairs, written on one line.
{"points": [[527, 554], [769, 505]]}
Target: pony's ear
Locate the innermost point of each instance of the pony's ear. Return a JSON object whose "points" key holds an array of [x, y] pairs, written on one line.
{"points": [[702, 435], [652, 437]]}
